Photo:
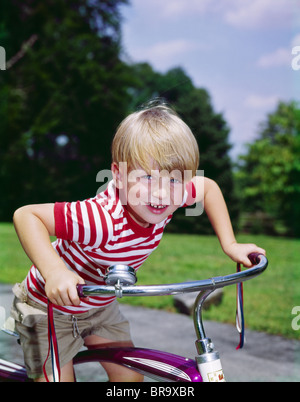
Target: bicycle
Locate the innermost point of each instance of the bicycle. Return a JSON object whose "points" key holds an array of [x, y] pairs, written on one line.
{"points": [[120, 280]]}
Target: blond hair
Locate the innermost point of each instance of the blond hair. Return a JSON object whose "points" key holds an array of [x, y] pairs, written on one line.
{"points": [[156, 135]]}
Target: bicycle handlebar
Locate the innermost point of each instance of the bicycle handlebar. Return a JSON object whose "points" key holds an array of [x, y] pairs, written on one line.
{"points": [[185, 287]]}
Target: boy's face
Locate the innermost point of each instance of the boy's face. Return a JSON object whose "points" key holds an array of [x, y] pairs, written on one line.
{"points": [[150, 197]]}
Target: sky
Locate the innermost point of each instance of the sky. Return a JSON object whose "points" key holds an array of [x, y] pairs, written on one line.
{"points": [[240, 51]]}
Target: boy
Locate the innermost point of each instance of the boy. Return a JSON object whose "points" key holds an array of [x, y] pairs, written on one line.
{"points": [[154, 161]]}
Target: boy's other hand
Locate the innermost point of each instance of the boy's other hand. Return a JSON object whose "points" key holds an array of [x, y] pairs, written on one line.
{"points": [[239, 252]]}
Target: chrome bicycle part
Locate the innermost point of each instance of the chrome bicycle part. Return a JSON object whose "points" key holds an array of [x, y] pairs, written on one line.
{"points": [[175, 288], [208, 360], [120, 275]]}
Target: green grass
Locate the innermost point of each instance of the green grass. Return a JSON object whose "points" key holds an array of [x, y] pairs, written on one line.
{"points": [[14, 263], [268, 299]]}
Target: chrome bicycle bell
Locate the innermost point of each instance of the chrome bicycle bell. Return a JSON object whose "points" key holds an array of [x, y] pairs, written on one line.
{"points": [[120, 274]]}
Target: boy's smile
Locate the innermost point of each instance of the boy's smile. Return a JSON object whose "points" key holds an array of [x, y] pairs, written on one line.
{"points": [[157, 209]]}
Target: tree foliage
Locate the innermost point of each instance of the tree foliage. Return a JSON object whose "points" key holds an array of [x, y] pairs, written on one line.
{"points": [[60, 98], [65, 91], [269, 173]]}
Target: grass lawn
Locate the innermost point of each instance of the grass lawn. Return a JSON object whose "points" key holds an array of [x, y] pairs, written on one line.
{"points": [[268, 299]]}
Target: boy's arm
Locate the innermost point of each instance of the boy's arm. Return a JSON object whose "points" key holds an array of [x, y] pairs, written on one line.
{"points": [[34, 225], [209, 193]]}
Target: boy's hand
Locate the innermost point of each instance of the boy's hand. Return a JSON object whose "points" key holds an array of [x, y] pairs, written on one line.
{"points": [[239, 252], [34, 224], [61, 288]]}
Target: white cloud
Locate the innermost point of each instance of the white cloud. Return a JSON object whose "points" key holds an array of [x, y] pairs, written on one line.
{"points": [[170, 9], [164, 54], [244, 14], [253, 14], [280, 57], [296, 41], [261, 102]]}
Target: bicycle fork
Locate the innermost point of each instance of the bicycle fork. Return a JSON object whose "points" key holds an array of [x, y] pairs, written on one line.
{"points": [[208, 360]]}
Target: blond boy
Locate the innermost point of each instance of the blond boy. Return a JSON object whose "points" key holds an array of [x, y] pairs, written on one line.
{"points": [[155, 158]]}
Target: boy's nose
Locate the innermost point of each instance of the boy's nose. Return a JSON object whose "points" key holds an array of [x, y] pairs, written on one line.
{"points": [[160, 190], [160, 193]]}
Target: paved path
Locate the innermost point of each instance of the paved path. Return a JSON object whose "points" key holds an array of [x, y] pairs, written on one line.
{"points": [[264, 357]]}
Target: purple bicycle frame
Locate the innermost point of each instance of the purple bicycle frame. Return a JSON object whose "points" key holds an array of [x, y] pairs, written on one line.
{"points": [[155, 364], [12, 372]]}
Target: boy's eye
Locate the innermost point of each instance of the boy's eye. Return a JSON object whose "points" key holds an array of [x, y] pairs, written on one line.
{"points": [[174, 181], [147, 177]]}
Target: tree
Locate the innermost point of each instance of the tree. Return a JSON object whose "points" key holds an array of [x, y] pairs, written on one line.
{"points": [[269, 173], [62, 97], [65, 92]]}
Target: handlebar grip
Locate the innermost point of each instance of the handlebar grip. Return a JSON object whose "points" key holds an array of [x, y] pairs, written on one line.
{"points": [[254, 258], [80, 290]]}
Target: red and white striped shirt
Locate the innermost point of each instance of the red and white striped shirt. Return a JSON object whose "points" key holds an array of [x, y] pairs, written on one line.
{"points": [[95, 234]]}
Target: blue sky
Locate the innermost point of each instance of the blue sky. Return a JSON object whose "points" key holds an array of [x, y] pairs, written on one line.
{"points": [[240, 51]]}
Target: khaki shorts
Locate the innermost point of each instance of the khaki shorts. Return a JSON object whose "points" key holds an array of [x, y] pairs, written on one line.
{"points": [[31, 323]]}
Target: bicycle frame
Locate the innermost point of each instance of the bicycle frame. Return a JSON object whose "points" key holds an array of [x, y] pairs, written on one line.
{"points": [[153, 363]]}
